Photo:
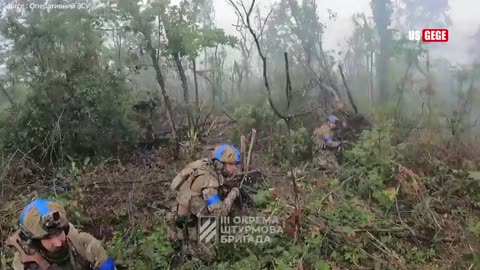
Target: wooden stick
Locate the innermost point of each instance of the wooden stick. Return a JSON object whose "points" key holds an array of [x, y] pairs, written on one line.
{"points": [[211, 126], [298, 211], [243, 149], [340, 68], [249, 157]]}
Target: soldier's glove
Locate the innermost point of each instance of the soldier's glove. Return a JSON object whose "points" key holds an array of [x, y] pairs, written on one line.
{"points": [[234, 193], [181, 221]]}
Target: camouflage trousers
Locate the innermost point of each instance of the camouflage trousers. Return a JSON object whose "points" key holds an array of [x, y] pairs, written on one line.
{"points": [[325, 160], [189, 244]]}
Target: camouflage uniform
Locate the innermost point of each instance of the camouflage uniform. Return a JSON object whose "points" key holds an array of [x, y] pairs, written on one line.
{"points": [[324, 148], [84, 252], [200, 193]]}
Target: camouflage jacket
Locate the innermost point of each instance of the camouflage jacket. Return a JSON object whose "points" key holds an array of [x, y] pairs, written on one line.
{"points": [[86, 253]]}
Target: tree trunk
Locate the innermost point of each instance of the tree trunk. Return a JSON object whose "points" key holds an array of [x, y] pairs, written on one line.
{"points": [[382, 15], [166, 99], [195, 81], [183, 78], [370, 79], [7, 95]]}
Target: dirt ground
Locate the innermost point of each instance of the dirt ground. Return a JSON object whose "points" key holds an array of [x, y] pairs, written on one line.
{"points": [[129, 189], [136, 191]]}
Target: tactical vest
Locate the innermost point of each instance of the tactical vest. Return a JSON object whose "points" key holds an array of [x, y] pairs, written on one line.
{"points": [[78, 253], [182, 183]]}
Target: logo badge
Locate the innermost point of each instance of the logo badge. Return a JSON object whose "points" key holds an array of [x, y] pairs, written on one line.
{"points": [[435, 35], [208, 229]]}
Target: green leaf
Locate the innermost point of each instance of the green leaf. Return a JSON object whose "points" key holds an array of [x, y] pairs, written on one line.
{"points": [[390, 193], [322, 265]]}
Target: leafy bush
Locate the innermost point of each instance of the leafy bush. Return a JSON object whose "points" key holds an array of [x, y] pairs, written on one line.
{"points": [[85, 118], [292, 148], [374, 155], [256, 116], [142, 252]]}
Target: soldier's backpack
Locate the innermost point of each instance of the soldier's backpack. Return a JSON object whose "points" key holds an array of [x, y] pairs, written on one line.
{"points": [[190, 172]]}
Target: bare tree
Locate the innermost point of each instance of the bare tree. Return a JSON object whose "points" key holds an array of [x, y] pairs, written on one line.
{"points": [[287, 117], [245, 18]]}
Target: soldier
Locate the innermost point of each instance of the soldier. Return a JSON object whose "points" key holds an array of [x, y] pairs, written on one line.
{"points": [[324, 146], [200, 192], [47, 241]]}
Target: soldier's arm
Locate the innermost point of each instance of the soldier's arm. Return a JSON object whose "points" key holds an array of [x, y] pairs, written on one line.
{"points": [[214, 203], [317, 137], [96, 253], [93, 250], [18, 265], [322, 136], [30, 262], [330, 143]]}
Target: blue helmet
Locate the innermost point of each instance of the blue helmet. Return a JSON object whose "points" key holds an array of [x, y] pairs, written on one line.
{"points": [[332, 118], [227, 154], [42, 217]]}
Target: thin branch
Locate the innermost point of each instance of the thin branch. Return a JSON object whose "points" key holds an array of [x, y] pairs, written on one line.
{"points": [[12, 102], [288, 87], [340, 68], [247, 23], [304, 113], [265, 22], [239, 14], [251, 8], [264, 61]]}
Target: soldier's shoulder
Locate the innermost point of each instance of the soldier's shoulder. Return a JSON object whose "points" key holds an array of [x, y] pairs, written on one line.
{"points": [[206, 176], [198, 167], [321, 130], [86, 245], [17, 261], [79, 237], [207, 179], [201, 164]]}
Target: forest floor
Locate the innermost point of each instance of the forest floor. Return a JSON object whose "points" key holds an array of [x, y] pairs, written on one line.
{"points": [[135, 190]]}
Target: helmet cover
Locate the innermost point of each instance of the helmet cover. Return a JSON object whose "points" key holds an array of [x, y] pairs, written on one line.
{"points": [[42, 217], [227, 154]]}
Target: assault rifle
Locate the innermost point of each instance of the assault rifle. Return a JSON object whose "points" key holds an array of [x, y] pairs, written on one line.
{"points": [[247, 183]]}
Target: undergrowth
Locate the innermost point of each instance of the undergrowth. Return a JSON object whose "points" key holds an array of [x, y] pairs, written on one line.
{"points": [[376, 212]]}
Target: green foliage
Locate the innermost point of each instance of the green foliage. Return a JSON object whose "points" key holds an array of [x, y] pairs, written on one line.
{"points": [[91, 120], [293, 148], [348, 214], [256, 116], [262, 198], [185, 36], [374, 154], [418, 257], [73, 106], [140, 251], [474, 227]]}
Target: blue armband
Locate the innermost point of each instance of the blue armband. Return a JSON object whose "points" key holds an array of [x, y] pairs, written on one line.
{"points": [[213, 200], [327, 139], [107, 265]]}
